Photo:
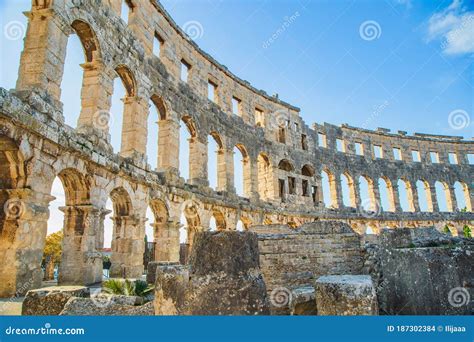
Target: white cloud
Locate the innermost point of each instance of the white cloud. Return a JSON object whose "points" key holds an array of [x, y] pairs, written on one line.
{"points": [[454, 27]]}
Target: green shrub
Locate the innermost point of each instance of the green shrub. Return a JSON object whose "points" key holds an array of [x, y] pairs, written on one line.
{"points": [[127, 287], [467, 231]]}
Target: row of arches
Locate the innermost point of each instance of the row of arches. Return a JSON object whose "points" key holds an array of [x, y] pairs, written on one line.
{"points": [[393, 195]]}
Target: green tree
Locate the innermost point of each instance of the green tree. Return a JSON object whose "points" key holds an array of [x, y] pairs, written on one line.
{"points": [[52, 253], [467, 231]]}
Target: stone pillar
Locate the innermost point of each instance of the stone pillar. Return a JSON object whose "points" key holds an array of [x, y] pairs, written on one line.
{"points": [[356, 190], [128, 246], [396, 197], [252, 180], [134, 129], [434, 201], [23, 225], [451, 200], [44, 52], [376, 201], [167, 241], [225, 170], [415, 197], [81, 263], [97, 89], [168, 145], [198, 162], [336, 191]]}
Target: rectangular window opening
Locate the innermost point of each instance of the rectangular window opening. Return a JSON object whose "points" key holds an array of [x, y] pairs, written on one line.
{"points": [[453, 158], [291, 185], [397, 153], [340, 145], [304, 185], [378, 152], [185, 68], [434, 156], [259, 119], [236, 106], [359, 149], [304, 142], [157, 45], [212, 91], [416, 156], [322, 140]]}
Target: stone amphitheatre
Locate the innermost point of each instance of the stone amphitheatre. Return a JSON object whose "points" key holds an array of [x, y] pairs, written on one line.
{"points": [[284, 161]]}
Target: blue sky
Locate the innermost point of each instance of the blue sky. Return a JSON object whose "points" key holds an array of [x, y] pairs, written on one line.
{"points": [[337, 60]]}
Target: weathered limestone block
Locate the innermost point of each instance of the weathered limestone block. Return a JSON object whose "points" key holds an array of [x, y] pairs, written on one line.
{"points": [[303, 301], [50, 300], [345, 295], [152, 269], [223, 278], [424, 272], [108, 306]]}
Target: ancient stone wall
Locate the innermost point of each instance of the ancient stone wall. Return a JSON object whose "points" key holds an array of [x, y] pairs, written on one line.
{"points": [[295, 258], [283, 158]]}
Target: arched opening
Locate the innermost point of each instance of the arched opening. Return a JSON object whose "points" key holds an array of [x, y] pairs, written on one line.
{"points": [[158, 246], [187, 132], [78, 63], [442, 196], [122, 108], [215, 161], [241, 171], [328, 182], [219, 219], [463, 200], [190, 223], [387, 200], [366, 192], [347, 188], [286, 179], [54, 236], [122, 226], [264, 177], [424, 195], [286, 165], [307, 180], [370, 230], [157, 113], [405, 195]]}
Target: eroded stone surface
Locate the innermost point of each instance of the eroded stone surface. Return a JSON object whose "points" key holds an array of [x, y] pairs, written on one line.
{"points": [[91, 307], [345, 295], [223, 278], [50, 300]]}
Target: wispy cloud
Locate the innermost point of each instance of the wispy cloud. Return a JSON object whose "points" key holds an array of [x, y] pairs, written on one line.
{"points": [[454, 27]]}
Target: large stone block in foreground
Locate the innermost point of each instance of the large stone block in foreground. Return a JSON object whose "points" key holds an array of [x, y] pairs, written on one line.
{"points": [[424, 272], [345, 295], [223, 278], [50, 300], [105, 305]]}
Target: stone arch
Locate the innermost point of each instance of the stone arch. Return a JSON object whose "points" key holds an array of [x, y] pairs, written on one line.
{"points": [[190, 224], [264, 176], [220, 219], [160, 105], [424, 195], [443, 196], [328, 180], [286, 165], [128, 79], [12, 167], [218, 175], [387, 198], [405, 195], [121, 202], [461, 193], [163, 240], [286, 179], [76, 187], [307, 170], [348, 190], [366, 193], [88, 39], [246, 180], [190, 155], [157, 115]]}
